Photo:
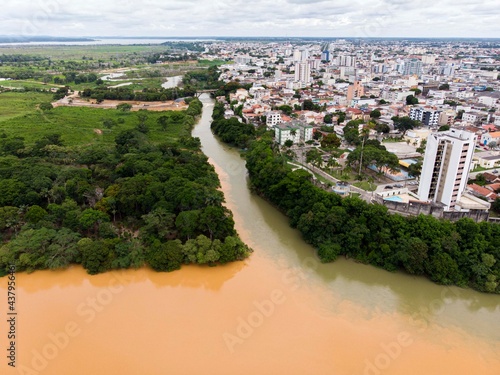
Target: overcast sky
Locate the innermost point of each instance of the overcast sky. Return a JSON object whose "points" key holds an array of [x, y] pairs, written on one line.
{"points": [[331, 18]]}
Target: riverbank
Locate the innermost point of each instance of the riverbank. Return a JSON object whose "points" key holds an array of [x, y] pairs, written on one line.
{"points": [[278, 311], [462, 253]]}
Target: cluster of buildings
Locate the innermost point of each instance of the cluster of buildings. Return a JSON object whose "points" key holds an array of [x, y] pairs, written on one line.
{"points": [[454, 84]]}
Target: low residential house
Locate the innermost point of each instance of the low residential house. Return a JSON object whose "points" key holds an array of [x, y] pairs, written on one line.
{"points": [[228, 113], [494, 187], [489, 137], [480, 191], [354, 114], [240, 95], [415, 137], [487, 159], [447, 117], [221, 99], [251, 118], [491, 178], [470, 117], [490, 128]]}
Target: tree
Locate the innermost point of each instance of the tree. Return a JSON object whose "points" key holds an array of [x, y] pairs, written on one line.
{"points": [[330, 141], [35, 214], [414, 170], [404, 124], [91, 219], [308, 105], [46, 106], [142, 117], [444, 86], [411, 100], [382, 128], [162, 121], [124, 107], [108, 123], [422, 147], [286, 109], [416, 91], [166, 257], [159, 223], [187, 223], [443, 128], [328, 119], [313, 157], [375, 114], [492, 144], [340, 116], [414, 255], [288, 143], [99, 98], [351, 132], [495, 206]]}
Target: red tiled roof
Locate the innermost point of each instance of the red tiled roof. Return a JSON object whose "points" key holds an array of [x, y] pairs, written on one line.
{"points": [[494, 186], [482, 191]]}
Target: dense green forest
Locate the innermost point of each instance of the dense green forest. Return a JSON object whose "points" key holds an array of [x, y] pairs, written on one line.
{"points": [[463, 253], [110, 206], [125, 93]]}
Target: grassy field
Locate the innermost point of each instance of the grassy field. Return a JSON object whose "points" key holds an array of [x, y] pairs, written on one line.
{"points": [[13, 104], [19, 116], [213, 62], [74, 53], [27, 83], [368, 186]]}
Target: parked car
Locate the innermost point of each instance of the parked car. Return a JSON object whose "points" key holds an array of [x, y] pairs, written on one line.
{"points": [[398, 186], [388, 187], [495, 171]]}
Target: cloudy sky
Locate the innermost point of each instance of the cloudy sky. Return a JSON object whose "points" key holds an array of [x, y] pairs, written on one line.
{"points": [[330, 18]]}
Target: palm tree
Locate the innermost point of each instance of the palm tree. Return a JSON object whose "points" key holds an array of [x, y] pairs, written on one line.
{"points": [[364, 132]]}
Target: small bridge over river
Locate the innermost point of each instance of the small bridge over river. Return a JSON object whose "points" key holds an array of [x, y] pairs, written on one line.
{"points": [[199, 92]]}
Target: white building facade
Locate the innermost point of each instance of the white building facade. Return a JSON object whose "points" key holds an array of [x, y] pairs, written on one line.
{"points": [[302, 72], [294, 131], [273, 118], [427, 117], [446, 166]]}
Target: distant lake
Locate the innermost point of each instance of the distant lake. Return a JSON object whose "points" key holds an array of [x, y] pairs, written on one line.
{"points": [[104, 41]]}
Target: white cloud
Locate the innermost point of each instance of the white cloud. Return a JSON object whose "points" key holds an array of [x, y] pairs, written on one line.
{"points": [[372, 18]]}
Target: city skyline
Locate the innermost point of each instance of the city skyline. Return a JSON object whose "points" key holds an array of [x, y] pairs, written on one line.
{"points": [[281, 18]]}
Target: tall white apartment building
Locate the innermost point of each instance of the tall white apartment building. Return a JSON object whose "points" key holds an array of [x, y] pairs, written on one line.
{"points": [[297, 54], [304, 54], [302, 72], [411, 66], [446, 166], [347, 60]]}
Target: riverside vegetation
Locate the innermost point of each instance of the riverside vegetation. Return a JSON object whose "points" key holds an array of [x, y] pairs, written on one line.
{"points": [[144, 194], [462, 253]]}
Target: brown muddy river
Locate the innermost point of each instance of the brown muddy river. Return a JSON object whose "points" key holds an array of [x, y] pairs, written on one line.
{"points": [[279, 312]]}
